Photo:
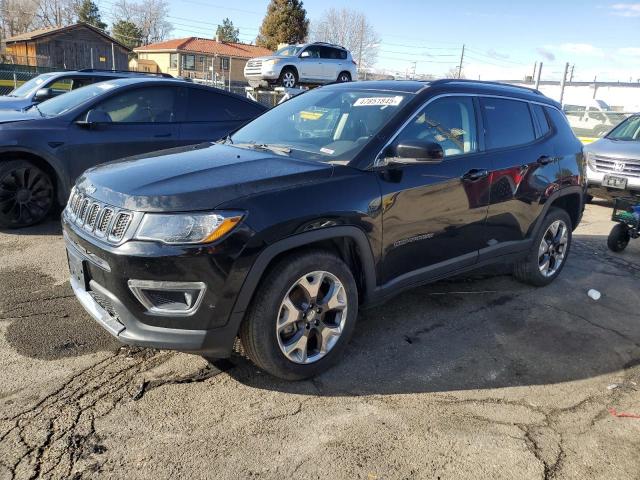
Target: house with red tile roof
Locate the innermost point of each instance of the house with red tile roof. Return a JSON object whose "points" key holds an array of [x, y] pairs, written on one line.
{"points": [[200, 58]]}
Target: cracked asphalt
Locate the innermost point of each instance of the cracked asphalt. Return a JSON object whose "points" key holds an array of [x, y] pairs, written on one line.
{"points": [[475, 377]]}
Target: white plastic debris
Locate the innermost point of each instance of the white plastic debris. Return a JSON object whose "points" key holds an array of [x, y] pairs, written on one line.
{"points": [[594, 294], [612, 386]]}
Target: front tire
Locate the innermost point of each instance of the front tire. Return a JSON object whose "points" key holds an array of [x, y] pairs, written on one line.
{"points": [[618, 238], [302, 316], [26, 194], [288, 78], [549, 251]]}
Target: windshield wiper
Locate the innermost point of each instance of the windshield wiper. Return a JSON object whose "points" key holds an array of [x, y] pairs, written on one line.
{"points": [[280, 149], [35, 105], [226, 140]]}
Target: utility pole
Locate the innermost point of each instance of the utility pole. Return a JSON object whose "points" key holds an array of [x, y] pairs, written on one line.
{"points": [[564, 81], [535, 66], [571, 74], [461, 60], [113, 57], [538, 76], [361, 44]]}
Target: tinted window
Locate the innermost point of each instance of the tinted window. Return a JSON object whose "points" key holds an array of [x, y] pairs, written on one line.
{"points": [[449, 121], [210, 106], [507, 122], [313, 52], [333, 53], [627, 130], [142, 105], [559, 121], [541, 118]]}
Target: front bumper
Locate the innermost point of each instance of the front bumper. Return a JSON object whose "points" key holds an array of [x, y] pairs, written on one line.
{"points": [[101, 285], [595, 178]]}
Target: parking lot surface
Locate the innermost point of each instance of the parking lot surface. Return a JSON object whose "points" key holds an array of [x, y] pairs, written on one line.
{"points": [[475, 377]]}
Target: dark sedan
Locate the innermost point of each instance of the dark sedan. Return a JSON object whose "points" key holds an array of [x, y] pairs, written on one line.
{"points": [[45, 148]]}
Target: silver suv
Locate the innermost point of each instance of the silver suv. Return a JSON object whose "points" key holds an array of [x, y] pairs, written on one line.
{"points": [[314, 63]]}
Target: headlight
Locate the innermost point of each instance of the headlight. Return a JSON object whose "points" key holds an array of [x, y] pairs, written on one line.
{"points": [[272, 62], [591, 163], [179, 228]]}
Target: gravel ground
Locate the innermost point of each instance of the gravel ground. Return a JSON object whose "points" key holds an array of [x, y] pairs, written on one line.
{"points": [[476, 377]]}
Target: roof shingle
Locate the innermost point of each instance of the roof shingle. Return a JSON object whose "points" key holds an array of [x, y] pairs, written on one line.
{"points": [[205, 45]]}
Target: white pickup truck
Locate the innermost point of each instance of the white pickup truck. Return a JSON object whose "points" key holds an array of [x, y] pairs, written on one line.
{"points": [[593, 120]]}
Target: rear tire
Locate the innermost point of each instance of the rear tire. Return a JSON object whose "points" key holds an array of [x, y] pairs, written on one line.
{"points": [[344, 77], [26, 194], [548, 254], [285, 310], [618, 238]]}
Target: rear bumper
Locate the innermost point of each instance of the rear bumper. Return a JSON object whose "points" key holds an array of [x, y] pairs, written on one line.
{"points": [[103, 291]]}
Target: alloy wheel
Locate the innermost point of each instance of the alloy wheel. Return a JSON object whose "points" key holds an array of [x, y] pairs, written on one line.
{"points": [[344, 78], [288, 80], [553, 248], [311, 317], [26, 195]]}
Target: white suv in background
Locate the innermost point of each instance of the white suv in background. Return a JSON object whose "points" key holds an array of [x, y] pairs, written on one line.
{"points": [[310, 63]]}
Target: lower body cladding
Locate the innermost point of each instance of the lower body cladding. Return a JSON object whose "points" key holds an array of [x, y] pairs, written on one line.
{"points": [[154, 295]]}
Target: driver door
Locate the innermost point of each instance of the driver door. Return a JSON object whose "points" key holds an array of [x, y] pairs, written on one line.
{"points": [[434, 213], [134, 121], [310, 67]]}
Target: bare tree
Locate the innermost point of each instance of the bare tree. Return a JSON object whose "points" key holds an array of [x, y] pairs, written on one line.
{"points": [[454, 72], [148, 15], [352, 30], [17, 16], [55, 13]]}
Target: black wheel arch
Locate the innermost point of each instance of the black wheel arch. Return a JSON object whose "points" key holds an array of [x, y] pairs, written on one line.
{"points": [[349, 242], [570, 199]]}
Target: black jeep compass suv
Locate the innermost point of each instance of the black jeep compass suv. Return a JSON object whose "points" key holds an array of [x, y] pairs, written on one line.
{"points": [[334, 200]]}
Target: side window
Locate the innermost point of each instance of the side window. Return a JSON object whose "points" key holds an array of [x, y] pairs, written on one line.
{"points": [[173, 61], [142, 105], [559, 121], [311, 52], [189, 62], [507, 122], [541, 118], [449, 121], [341, 54], [596, 114], [61, 86], [211, 106]]}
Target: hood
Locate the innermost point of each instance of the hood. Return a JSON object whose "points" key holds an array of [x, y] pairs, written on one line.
{"points": [[627, 150], [273, 57], [8, 116], [194, 178], [14, 103]]}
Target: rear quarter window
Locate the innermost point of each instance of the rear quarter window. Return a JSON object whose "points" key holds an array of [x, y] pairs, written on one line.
{"points": [[211, 106], [508, 123], [541, 119], [559, 122]]}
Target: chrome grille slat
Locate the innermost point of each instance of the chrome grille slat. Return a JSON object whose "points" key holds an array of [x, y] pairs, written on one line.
{"points": [[105, 221], [120, 225], [92, 216], [82, 212], [110, 224], [607, 165]]}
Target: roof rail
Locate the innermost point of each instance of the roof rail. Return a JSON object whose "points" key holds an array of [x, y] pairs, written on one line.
{"points": [[101, 70], [328, 43], [482, 82]]}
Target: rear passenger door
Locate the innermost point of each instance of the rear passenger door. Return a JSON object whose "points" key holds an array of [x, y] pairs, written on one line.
{"points": [[524, 169], [331, 63], [211, 114]]}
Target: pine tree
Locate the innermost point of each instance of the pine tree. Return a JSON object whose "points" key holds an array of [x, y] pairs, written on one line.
{"points": [[227, 32], [127, 33], [88, 12], [285, 22]]}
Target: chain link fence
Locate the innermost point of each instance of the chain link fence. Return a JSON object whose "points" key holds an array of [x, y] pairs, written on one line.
{"points": [[12, 75]]}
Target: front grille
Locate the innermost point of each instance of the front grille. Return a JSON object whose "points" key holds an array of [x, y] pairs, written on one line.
{"points": [[253, 67], [100, 220], [619, 166], [120, 226]]}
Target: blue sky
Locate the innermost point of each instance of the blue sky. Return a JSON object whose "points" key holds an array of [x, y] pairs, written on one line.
{"points": [[503, 38]]}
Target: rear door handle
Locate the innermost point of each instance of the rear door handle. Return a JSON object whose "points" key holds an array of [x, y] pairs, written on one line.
{"points": [[162, 135], [475, 174], [545, 160]]}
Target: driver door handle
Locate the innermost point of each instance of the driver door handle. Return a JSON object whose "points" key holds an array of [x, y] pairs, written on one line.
{"points": [[475, 174], [545, 160]]}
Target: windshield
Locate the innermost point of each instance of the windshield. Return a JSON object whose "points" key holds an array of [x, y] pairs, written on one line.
{"points": [[627, 130], [290, 51], [63, 103], [323, 124], [27, 88]]}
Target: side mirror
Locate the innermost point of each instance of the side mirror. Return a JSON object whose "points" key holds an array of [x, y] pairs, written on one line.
{"points": [[416, 151], [43, 94], [94, 117]]}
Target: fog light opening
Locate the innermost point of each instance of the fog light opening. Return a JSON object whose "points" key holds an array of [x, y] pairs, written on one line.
{"points": [[168, 298]]}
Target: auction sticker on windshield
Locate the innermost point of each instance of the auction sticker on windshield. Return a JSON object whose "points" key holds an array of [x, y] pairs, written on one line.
{"points": [[377, 101]]}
